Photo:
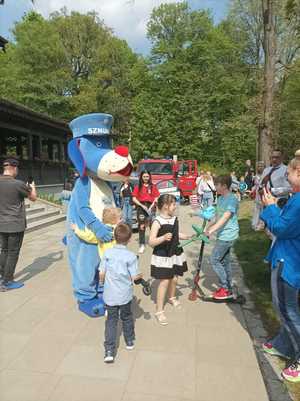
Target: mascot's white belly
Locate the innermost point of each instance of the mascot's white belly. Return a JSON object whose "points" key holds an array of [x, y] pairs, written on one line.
{"points": [[101, 196]]}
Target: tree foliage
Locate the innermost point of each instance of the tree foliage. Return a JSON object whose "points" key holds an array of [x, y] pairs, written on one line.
{"points": [[68, 65], [195, 99]]}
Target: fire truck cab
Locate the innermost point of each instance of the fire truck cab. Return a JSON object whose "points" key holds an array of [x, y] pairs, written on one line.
{"points": [[186, 177], [168, 173]]}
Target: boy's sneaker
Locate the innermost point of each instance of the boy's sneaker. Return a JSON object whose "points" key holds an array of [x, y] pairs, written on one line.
{"points": [[222, 293], [130, 345], [292, 373], [109, 357], [14, 285], [142, 249], [269, 349], [3, 287]]}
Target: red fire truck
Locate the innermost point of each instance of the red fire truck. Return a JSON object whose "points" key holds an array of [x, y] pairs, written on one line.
{"points": [[168, 172]]}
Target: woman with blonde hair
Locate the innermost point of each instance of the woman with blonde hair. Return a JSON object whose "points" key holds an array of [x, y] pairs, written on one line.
{"points": [[206, 190]]}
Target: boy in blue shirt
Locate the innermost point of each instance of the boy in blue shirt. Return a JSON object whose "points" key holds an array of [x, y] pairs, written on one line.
{"points": [[227, 228], [118, 270]]}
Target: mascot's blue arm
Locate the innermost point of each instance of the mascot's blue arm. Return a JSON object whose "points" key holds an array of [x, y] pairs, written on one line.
{"points": [[83, 189]]}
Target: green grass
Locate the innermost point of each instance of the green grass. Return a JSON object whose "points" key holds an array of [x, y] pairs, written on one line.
{"points": [[251, 248], [49, 198]]}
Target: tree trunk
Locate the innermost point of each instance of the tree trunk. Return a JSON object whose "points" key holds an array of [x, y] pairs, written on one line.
{"points": [[266, 126]]}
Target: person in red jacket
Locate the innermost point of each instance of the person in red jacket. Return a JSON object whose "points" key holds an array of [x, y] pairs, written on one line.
{"points": [[144, 195]]}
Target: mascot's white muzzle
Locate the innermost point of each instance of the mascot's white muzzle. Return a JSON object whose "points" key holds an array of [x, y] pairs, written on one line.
{"points": [[115, 165]]}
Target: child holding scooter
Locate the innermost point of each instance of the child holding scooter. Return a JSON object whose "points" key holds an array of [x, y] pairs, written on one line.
{"points": [[227, 228]]}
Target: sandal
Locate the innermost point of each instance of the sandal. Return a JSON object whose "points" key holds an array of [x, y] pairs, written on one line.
{"points": [[174, 301], [161, 318]]}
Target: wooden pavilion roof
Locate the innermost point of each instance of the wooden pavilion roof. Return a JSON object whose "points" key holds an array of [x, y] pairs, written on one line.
{"points": [[13, 111]]}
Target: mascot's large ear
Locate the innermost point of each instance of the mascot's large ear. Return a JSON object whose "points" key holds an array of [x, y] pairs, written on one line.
{"points": [[76, 156]]}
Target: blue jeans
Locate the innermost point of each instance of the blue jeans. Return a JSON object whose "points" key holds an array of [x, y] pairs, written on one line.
{"points": [[285, 302], [111, 325], [220, 261], [127, 211], [207, 199]]}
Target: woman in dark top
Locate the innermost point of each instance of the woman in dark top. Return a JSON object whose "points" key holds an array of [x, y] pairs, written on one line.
{"points": [[144, 195]]}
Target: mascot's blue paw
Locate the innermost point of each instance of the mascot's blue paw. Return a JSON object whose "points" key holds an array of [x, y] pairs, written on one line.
{"points": [[14, 285], [93, 308]]}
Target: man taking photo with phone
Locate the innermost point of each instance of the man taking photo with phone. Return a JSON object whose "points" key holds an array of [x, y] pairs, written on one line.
{"points": [[12, 221]]}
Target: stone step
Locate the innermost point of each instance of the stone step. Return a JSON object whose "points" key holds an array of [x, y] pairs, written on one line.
{"points": [[36, 225], [43, 215], [35, 209]]}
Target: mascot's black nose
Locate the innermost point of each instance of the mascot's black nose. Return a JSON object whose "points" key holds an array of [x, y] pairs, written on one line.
{"points": [[122, 150]]}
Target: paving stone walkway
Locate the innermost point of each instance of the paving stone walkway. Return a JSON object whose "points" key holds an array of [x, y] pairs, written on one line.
{"points": [[51, 352]]}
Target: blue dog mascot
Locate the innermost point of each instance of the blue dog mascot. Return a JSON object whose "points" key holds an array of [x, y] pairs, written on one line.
{"points": [[98, 165]]}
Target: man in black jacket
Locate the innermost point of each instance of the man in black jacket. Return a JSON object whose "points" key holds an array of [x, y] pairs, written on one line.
{"points": [[12, 221]]}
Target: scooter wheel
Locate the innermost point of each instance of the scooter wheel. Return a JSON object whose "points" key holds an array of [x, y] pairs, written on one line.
{"points": [[147, 290]]}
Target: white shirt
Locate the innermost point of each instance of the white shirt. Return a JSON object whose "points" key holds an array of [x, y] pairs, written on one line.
{"points": [[278, 177], [205, 186]]}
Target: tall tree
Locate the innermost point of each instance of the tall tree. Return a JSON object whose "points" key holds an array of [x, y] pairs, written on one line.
{"points": [[266, 125], [252, 20]]}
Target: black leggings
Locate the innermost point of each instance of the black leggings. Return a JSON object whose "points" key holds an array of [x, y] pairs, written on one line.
{"points": [[10, 245], [143, 219]]}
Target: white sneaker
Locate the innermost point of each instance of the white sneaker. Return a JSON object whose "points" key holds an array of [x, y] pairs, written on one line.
{"points": [[130, 346], [108, 357], [142, 249]]}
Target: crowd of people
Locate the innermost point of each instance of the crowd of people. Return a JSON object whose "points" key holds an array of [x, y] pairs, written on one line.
{"points": [[276, 193]]}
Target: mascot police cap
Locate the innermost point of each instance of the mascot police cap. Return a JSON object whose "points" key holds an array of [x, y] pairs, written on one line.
{"points": [[94, 124]]}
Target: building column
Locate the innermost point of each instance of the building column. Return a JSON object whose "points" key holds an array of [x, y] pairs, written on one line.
{"points": [[40, 146], [2, 145], [30, 155], [29, 146], [40, 157], [19, 146], [61, 151]]}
